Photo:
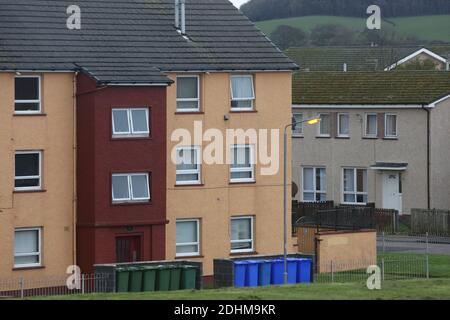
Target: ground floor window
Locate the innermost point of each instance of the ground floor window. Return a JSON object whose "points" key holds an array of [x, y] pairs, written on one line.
{"points": [[188, 237], [314, 184], [355, 186], [27, 247], [242, 234]]}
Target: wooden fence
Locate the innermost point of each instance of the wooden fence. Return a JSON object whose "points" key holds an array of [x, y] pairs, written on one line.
{"points": [[433, 222], [343, 217]]}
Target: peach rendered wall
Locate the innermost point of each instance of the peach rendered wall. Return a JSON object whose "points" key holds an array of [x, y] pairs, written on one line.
{"points": [[53, 133], [216, 200]]}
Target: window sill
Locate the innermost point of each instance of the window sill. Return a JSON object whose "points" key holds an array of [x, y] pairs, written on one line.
{"points": [[30, 191], [189, 112], [343, 137], [29, 114], [127, 138], [131, 203], [298, 136], [390, 138], [370, 138], [27, 268], [189, 185], [243, 111], [237, 254], [241, 182], [189, 257], [323, 137]]}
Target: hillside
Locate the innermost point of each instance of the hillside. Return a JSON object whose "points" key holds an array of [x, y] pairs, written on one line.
{"points": [[427, 28]]}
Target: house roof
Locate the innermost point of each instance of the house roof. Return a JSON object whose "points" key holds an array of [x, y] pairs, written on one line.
{"points": [[370, 88], [133, 41], [356, 58]]}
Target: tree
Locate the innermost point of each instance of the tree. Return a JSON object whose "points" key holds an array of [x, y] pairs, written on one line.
{"points": [[286, 36], [332, 35]]}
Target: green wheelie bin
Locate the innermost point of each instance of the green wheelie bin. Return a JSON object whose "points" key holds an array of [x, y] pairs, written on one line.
{"points": [[135, 279], [149, 278], [122, 279], [188, 277], [175, 277], [162, 278]]}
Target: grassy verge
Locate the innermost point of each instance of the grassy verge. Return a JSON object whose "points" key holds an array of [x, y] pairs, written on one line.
{"points": [[391, 290]]}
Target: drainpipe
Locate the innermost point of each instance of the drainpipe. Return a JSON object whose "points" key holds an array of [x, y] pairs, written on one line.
{"points": [[177, 14], [183, 16], [74, 149], [428, 157]]}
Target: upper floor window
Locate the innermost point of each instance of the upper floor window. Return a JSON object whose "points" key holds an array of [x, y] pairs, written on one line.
{"points": [[355, 186], [130, 187], [187, 237], [390, 125], [27, 247], [242, 165], [343, 125], [242, 92], [297, 125], [188, 165], [314, 184], [242, 234], [130, 122], [324, 125], [27, 170], [27, 94], [370, 124], [188, 93]]}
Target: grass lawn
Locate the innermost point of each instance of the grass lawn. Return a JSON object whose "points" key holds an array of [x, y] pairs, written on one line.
{"points": [[438, 287], [423, 27], [405, 289]]}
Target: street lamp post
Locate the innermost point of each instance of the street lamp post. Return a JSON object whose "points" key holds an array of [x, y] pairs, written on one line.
{"points": [[309, 121]]}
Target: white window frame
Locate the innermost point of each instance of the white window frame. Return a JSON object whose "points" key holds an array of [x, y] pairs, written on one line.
{"points": [[320, 125], [339, 134], [386, 135], [314, 191], [366, 116], [243, 169], [189, 99], [189, 254], [193, 171], [297, 134], [28, 254], [130, 188], [131, 132], [355, 183], [252, 238], [39, 101], [251, 99], [39, 187]]}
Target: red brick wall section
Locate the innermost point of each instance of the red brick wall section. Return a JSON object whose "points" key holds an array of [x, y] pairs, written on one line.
{"points": [[99, 156]]}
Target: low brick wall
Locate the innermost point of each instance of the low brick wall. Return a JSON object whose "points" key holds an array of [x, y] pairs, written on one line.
{"points": [[110, 269], [224, 268]]}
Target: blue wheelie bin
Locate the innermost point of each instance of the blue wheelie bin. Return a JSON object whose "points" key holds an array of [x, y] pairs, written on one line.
{"points": [[304, 270], [277, 276], [239, 273], [292, 269], [252, 273], [265, 268]]}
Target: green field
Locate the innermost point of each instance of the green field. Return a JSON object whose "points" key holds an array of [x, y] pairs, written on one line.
{"points": [[423, 27], [438, 287]]}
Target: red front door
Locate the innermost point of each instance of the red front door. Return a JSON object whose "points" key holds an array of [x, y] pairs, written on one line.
{"points": [[128, 249]]}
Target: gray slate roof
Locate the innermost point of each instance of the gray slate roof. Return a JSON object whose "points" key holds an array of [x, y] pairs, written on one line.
{"points": [[133, 41], [357, 58]]}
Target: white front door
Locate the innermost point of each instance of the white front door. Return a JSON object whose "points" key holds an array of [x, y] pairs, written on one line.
{"points": [[392, 197]]}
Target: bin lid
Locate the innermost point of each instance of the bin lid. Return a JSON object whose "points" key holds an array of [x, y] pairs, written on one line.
{"points": [[121, 269], [254, 261], [149, 267], [134, 268], [240, 262]]}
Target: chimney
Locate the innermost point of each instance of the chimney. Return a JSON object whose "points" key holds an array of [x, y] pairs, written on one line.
{"points": [[183, 16], [180, 16], [345, 67], [447, 65], [177, 14]]}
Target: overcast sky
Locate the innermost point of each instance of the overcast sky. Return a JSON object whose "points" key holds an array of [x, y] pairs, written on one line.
{"points": [[237, 3]]}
